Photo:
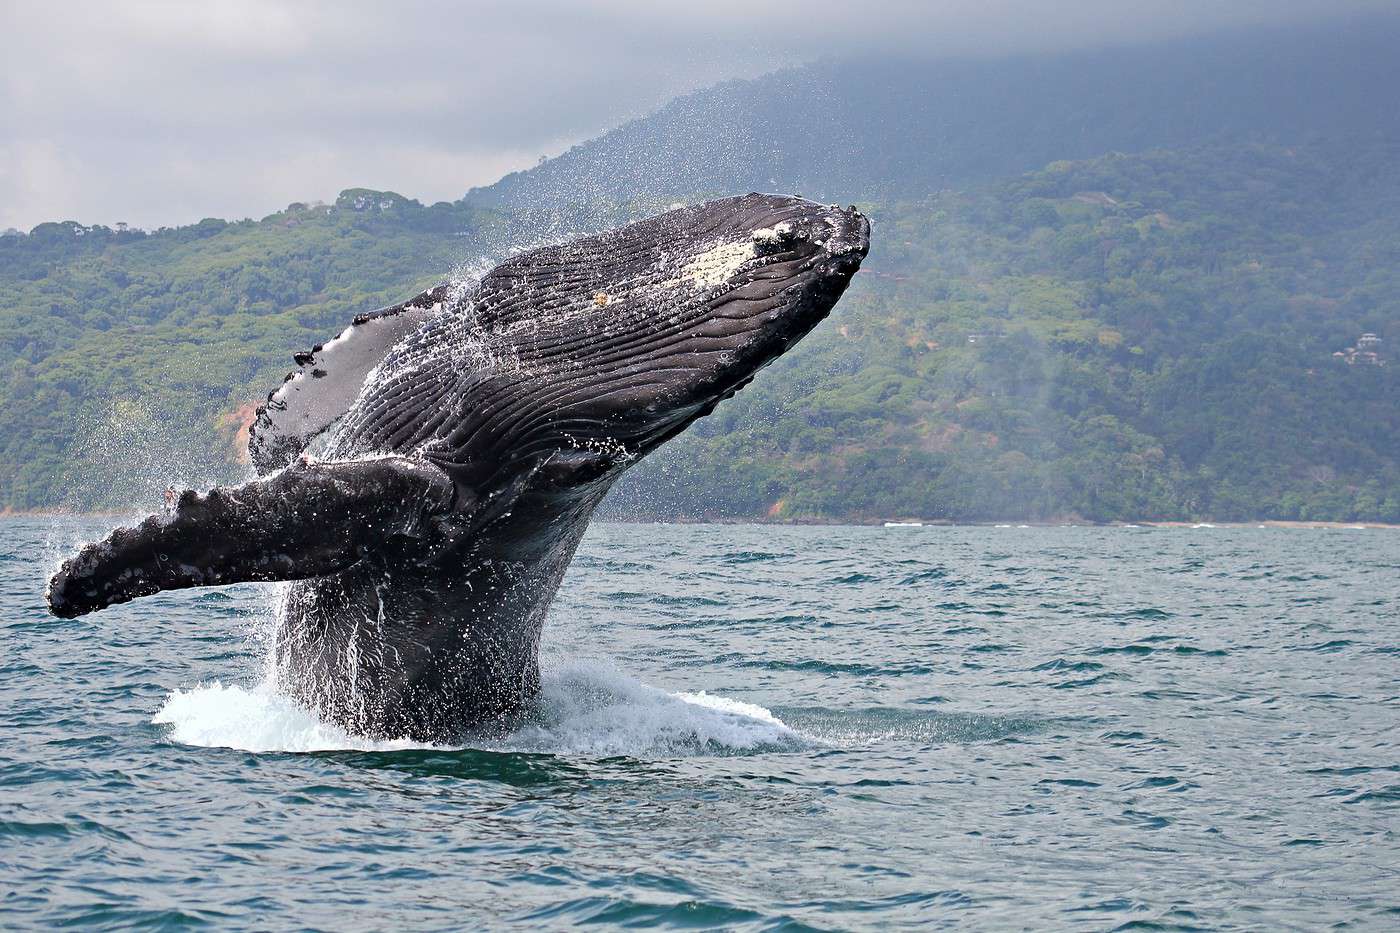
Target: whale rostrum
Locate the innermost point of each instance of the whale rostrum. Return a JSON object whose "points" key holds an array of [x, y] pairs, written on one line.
{"points": [[467, 435]]}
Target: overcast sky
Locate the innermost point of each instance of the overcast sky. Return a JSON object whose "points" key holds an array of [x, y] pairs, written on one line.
{"points": [[160, 113]]}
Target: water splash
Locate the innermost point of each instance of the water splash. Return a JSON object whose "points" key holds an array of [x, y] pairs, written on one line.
{"points": [[586, 708], [256, 719], [126, 451]]}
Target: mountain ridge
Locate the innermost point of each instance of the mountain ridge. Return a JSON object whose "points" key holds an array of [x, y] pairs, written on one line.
{"points": [[871, 129]]}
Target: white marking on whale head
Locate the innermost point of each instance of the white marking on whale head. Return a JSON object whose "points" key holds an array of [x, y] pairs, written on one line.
{"points": [[773, 235], [718, 264]]}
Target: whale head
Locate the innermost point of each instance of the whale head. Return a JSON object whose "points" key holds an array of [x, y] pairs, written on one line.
{"points": [[572, 361], [680, 313]]}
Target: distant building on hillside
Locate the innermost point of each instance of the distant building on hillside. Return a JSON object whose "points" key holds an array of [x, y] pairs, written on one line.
{"points": [[1367, 352]]}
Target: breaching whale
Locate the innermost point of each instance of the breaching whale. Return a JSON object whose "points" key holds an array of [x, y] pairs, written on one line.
{"points": [[468, 436]]}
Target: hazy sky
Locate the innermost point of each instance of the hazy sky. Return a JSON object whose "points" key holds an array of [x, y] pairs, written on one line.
{"points": [[160, 113]]}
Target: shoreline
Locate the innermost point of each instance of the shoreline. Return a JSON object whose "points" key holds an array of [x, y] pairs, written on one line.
{"points": [[850, 523]]}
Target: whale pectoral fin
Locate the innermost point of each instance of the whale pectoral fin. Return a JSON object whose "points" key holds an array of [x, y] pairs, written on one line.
{"points": [[328, 379], [305, 521]]}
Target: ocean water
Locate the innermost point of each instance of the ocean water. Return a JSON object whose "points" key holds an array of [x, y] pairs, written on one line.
{"points": [[750, 727]]}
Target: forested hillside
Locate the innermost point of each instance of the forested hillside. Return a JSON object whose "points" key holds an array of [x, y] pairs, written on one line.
{"points": [[121, 349], [1125, 337], [1128, 337]]}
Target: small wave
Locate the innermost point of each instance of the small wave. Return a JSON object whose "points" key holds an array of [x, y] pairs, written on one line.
{"points": [[852, 578], [585, 708], [1388, 794], [857, 728], [752, 557], [933, 573], [1063, 664]]}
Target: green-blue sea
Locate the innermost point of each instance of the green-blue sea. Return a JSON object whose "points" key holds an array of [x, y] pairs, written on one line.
{"points": [[753, 728]]}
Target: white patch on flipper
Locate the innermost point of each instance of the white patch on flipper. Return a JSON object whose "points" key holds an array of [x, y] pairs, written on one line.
{"points": [[310, 403]]}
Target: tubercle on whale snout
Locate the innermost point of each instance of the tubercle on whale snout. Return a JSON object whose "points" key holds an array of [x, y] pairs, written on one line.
{"points": [[853, 237]]}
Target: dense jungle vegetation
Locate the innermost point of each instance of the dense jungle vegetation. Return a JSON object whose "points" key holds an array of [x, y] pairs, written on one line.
{"points": [[1144, 336], [1129, 337]]}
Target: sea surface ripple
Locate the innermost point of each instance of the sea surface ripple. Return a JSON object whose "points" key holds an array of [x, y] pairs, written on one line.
{"points": [[750, 727]]}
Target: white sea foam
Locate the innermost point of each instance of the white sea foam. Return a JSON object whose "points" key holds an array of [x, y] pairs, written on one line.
{"points": [[259, 719], [590, 708], [585, 708]]}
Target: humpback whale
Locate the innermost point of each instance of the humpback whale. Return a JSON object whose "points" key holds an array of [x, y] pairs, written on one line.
{"points": [[462, 440]]}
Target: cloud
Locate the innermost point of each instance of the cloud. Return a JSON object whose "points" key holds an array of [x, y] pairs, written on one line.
{"points": [[160, 113]]}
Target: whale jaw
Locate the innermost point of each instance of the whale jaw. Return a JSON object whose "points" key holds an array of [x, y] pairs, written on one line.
{"points": [[679, 313]]}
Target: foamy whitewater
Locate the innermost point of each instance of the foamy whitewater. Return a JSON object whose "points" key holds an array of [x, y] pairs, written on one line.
{"points": [[584, 709], [748, 728]]}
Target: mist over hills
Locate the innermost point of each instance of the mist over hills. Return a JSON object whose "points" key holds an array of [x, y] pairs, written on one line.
{"points": [[879, 129], [1105, 285]]}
